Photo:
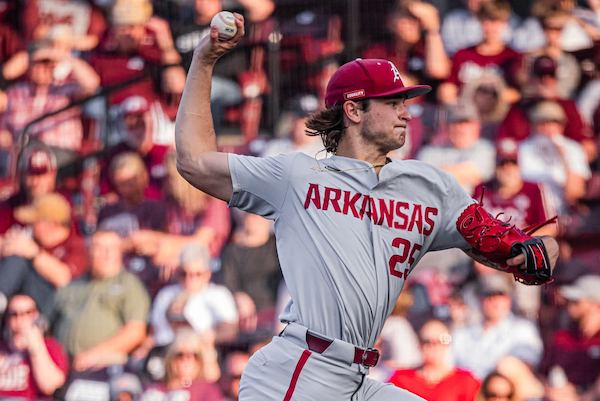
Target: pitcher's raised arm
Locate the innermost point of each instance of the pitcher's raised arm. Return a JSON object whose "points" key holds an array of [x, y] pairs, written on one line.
{"points": [[197, 158]]}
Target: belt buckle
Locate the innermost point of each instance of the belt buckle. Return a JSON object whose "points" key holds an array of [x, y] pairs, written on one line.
{"points": [[363, 359]]}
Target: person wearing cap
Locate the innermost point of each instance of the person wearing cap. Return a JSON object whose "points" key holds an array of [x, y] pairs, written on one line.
{"points": [[54, 79], [465, 155], [577, 348], [549, 157], [523, 201], [37, 172], [292, 125], [500, 335], [349, 228], [48, 258], [542, 85], [565, 66], [101, 317], [210, 307]]}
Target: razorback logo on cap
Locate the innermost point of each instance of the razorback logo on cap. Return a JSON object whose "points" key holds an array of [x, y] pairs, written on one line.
{"points": [[354, 94], [395, 71]]}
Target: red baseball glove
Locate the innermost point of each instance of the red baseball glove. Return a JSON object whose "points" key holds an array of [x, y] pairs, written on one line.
{"points": [[493, 241]]}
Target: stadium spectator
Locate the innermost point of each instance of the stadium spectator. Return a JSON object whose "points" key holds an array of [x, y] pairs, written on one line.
{"points": [[568, 71], [125, 387], [543, 85], [233, 366], [32, 365], [250, 269], [85, 21], [496, 386], [485, 93], [133, 212], [549, 157], [139, 45], [101, 317], [292, 130], [13, 59], [574, 349], [461, 28], [209, 308], [149, 358], [399, 342], [184, 373], [490, 55], [480, 347], [416, 46], [522, 202], [46, 258], [136, 126], [54, 79], [436, 379], [192, 217], [465, 155], [36, 175]]}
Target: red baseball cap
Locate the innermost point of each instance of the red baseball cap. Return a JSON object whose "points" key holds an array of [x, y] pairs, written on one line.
{"points": [[39, 161], [369, 78]]}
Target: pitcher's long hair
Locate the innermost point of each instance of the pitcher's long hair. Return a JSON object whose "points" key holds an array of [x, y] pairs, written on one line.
{"points": [[329, 125]]}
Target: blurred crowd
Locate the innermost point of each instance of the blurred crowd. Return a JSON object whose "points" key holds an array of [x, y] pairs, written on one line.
{"points": [[119, 281]]}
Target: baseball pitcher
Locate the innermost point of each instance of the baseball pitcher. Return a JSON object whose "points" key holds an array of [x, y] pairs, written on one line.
{"points": [[349, 228]]}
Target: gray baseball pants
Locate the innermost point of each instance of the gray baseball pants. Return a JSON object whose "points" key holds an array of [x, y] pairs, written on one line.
{"points": [[285, 370]]}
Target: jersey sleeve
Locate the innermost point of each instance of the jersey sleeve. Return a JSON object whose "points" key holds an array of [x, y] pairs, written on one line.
{"points": [[455, 201], [260, 184]]}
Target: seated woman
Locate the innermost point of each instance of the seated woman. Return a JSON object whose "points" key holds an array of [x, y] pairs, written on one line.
{"points": [[184, 372]]}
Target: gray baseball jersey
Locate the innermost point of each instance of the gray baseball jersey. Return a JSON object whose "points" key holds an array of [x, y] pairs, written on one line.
{"points": [[347, 239]]}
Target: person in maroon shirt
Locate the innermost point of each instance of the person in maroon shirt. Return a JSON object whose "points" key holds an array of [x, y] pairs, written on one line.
{"points": [[44, 257], [520, 201], [491, 55], [32, 366], [139, 45], [133, 212], [543, 85], [577, 349], [135, 125], [184, 373], [437, 379], [37, 175]]}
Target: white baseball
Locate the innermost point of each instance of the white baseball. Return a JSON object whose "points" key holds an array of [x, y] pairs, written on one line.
{"points": [[225, 23]]}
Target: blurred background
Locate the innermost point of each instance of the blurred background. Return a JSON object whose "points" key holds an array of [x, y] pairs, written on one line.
{"points": [[119, 281]]}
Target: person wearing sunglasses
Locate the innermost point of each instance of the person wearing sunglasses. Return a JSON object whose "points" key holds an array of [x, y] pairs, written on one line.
{"points": [[184, 378], [437, 379], [209, 307], [32, 366]]}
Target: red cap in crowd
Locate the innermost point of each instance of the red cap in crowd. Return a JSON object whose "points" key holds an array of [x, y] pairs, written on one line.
{"points": [[39, 161], [368, 78], [507, 149]]}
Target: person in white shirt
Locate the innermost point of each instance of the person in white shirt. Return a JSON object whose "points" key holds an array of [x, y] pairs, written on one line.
{"points": [[550, 158], [480, 347], [209, 307]]}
